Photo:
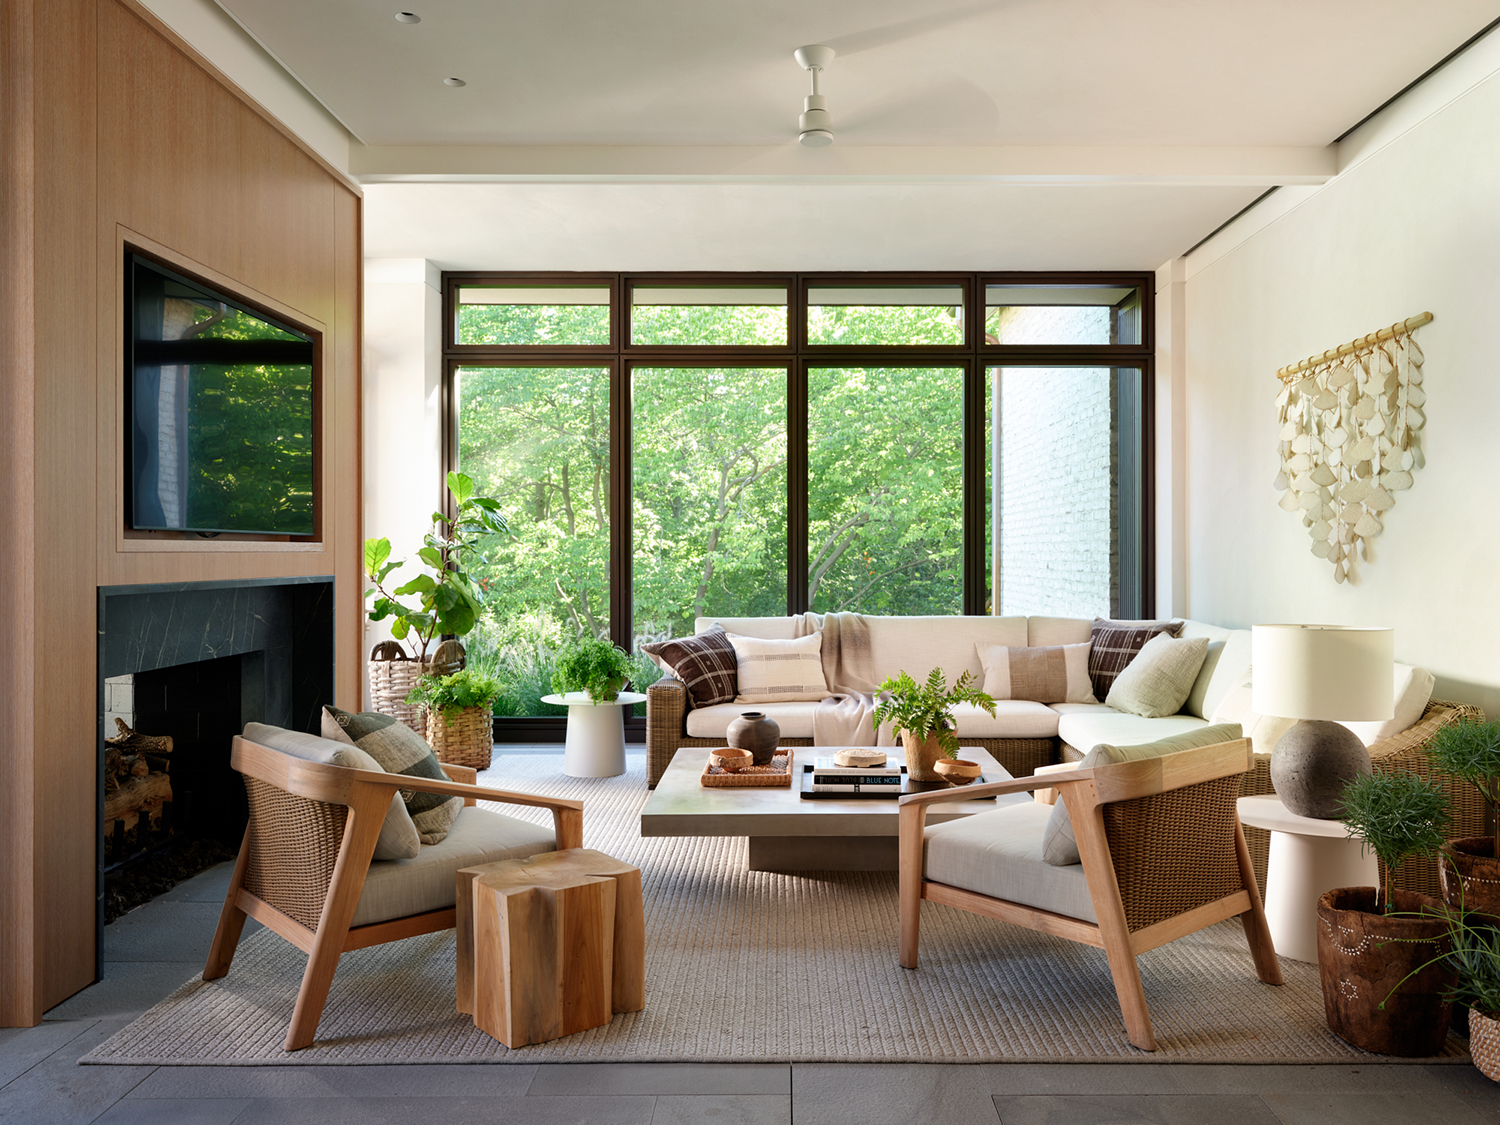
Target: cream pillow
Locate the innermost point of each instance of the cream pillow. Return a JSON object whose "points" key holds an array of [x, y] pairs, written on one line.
{"points": [[1263, 731], [1158, 680], [1042, 674], [1059, 846], [779, 671], [1412, 688]]}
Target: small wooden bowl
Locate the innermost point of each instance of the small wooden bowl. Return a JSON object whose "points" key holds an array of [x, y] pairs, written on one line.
{"points": [[956, 771], [731, 760]]}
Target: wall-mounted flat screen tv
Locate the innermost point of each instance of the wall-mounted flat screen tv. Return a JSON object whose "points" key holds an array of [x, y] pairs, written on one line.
{"points": [[220, 402]]}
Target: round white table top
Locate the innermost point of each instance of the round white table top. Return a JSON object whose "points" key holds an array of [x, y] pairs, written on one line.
{"points": [[1268, 812], [581, 699]]}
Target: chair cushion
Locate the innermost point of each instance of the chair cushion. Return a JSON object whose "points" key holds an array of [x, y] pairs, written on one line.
{"points": [[1000, 854], [416, 886], [1042, 673], [398, 835], [704, 662], [1156, 683], [399, 749], [1084, 727], [779, 671], [768, 628], [1014, 718], [794, 719], [1058, 630], [1059, 846], [917, 645], [1412, 689], [1227, 659], [1115, 644]]}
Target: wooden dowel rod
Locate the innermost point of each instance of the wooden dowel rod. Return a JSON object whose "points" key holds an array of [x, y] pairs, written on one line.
{"points": [[1288, 373]]}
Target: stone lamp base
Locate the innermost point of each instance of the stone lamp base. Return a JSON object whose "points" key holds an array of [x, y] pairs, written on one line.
{"points": [[1311, 765]]}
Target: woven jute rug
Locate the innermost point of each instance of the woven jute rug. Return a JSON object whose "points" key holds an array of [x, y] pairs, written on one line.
{"points": [[759, 967]]}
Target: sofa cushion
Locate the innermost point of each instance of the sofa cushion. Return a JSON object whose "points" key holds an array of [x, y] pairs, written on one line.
{"points": [[779, 671], [1000, 854], [794, 719], [401, 750], [1059, 846], [1084, 727], [705, 664], [767, 628], [1412, 688], [1041, 673], [1115, 644], [1156, 682], [1014, 718], [416, 886], [1227, 660], [1263, 731], [917, 645], [1058, 630], [398, 835]]}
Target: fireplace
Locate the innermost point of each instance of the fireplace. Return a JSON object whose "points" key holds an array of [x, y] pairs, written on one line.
{"points": [[196, 662]]}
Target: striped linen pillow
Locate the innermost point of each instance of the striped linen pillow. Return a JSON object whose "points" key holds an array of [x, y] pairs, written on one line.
{"points": [[1042, 674], [779, 671]]}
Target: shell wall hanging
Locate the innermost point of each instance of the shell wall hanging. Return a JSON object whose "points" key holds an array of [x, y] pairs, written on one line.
{"points": [[1349, 423]]}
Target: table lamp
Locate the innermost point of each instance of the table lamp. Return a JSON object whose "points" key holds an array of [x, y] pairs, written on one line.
{"points": [[1320, 674]]}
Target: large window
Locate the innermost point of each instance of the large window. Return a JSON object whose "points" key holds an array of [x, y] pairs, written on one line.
{"points": [[668, 447]]}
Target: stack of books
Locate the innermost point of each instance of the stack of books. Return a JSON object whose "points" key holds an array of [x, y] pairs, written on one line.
{"points": [[830, 777]]}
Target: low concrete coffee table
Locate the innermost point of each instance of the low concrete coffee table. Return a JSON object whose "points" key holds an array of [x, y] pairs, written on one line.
{"points": [[789, 834]]}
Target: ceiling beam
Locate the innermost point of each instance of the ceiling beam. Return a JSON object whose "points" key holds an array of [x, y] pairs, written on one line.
{"points": [[792, 164]]}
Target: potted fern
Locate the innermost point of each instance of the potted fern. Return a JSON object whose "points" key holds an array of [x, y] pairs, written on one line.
{"points": [[923, 714], [594, 667], [460, 725], [1468, 868], [1383, 989]]}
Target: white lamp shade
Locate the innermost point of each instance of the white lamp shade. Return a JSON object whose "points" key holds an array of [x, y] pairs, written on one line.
{"points": [[1333, 672]]}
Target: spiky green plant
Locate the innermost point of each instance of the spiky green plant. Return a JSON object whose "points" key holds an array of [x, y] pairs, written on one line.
{"points": [[923, 709], [1470, 749], [1399, 815]]}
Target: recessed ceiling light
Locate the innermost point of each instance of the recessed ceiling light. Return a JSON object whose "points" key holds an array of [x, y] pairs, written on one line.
{"points": [[454, 82], [408, 17]]}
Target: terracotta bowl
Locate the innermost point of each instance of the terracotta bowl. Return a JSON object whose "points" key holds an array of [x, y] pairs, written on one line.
{"points": [[956, 771], [730, 760]]}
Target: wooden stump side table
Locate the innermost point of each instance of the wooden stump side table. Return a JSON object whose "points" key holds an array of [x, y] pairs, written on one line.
{"points": [[549, 945]]}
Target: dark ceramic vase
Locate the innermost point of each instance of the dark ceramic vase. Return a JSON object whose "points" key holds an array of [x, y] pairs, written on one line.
{"points": [[754, 732], [1311, 765]]}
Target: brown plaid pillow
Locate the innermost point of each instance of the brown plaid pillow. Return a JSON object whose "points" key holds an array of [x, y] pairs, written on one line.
{"points": [[705, 663], [1114, 645]]}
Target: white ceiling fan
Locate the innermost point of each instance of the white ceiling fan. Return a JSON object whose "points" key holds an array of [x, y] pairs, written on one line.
{"points": [[816, 124]]}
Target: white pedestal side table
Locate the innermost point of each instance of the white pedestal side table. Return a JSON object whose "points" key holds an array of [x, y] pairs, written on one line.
{"points": [[1308, 856], [596, 733]]}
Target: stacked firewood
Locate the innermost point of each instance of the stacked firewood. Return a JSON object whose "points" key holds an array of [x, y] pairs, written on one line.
{"points": [[135, 780]]}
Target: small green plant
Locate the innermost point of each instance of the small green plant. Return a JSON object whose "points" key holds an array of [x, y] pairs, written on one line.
{"points": [[1399, 815], [927, 708], [1471, 750], [593, 666], [448, 601], [454, 693]]}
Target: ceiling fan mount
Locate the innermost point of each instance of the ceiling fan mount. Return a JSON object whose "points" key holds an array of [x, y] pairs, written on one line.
{"points": [[815, 124]]}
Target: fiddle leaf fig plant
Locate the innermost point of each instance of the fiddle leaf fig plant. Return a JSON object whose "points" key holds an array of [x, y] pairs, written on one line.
{"points": [[446, 601], [927, 708]]}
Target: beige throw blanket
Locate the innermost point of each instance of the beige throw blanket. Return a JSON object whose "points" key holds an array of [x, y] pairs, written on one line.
{"points": [[846, 718]]}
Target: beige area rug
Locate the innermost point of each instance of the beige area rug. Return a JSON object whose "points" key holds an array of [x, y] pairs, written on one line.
{"points": [[759, 967]]}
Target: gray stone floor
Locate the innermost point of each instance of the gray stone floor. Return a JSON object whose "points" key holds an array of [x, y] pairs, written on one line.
{"points": [[154, 949]]}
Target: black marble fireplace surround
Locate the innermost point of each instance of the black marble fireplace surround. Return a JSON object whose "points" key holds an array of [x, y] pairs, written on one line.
{"points": [[207, 658]]}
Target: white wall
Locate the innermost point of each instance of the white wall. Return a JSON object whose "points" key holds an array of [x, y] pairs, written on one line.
{"points": [[402, 407], [1412, 224]]}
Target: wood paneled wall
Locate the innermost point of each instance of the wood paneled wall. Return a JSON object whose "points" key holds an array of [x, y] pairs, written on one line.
{"points": [[114, 132]]}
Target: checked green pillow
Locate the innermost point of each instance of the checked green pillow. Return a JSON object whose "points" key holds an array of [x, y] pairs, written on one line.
{"points": [[400, 750]]}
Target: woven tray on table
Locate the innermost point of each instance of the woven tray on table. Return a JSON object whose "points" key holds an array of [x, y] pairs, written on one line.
{"points": [[779, 772], [468, 740]]}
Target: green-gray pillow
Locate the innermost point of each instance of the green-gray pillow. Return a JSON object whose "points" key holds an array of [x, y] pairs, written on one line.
{"points": [[399, 749], [1157, 682], [1059, 846]]}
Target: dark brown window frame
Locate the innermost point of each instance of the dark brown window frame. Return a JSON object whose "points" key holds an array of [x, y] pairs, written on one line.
{"points": [[974, 356]]}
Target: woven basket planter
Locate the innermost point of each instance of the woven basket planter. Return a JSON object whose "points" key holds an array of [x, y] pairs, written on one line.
{"points": [[393, 674], [467, 740], [1484, 1044]]}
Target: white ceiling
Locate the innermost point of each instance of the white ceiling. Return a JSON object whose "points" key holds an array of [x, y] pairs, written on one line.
{"points": [[1003, 134], [1019, 72]]}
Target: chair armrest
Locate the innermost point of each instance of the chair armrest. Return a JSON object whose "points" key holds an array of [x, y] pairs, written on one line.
{"points": [[464, 775], [1048, 796], [394, 781], [667, 705], [994, 788]]}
